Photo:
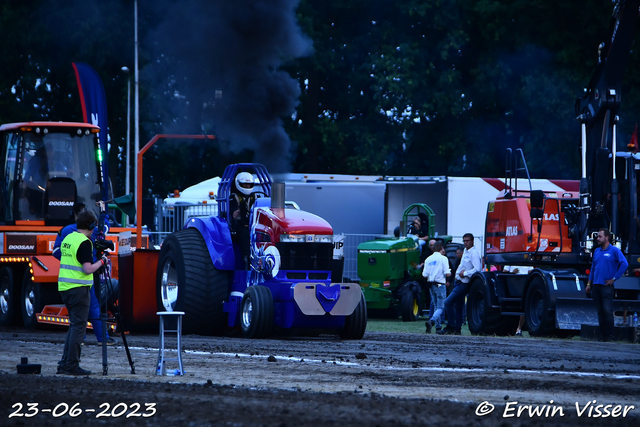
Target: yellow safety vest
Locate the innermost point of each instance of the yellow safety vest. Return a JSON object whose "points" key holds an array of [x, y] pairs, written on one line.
{"points": [[71, 274]]}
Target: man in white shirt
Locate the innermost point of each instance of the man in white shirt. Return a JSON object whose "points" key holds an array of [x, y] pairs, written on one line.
{"points": [[436, 271], [470, 264]]}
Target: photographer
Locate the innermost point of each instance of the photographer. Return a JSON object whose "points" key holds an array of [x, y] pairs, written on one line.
{"points": [[94, 308], [74, 284]]}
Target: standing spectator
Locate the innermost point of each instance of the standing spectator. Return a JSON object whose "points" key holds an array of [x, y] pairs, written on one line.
{"points": [[454, 304], [94, 307], [430, 249], [609, 264], [74, 283], [436, 271]]}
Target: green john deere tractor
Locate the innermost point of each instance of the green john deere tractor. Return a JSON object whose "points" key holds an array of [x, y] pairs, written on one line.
{"points": [[389, 273]]}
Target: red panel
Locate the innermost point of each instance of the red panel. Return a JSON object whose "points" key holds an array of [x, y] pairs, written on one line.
{"points": [[145, 264], [496, 183]]}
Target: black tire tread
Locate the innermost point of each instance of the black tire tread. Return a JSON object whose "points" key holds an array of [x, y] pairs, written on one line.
{"points": [[355, 325], [45, 294], [406, 306], [548, 325], [493, 322], [262, 320], [9, 319]]}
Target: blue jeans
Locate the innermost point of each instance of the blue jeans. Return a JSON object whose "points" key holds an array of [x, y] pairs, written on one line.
{"points": [[438, 295], [454, 304], [94, 315]]}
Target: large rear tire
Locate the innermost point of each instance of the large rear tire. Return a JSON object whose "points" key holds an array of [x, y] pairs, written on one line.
{"points": [[482, 318], [450, 249], [409, 304], [7, 296], [34, 297], [540, 320], [256, 316], [187, 281], [355, 324]]}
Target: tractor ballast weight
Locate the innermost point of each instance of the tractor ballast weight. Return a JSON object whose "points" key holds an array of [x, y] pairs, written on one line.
{"points": [[284, 284]]}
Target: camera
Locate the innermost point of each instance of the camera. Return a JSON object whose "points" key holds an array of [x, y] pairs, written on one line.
{"points": [[103, 245]]}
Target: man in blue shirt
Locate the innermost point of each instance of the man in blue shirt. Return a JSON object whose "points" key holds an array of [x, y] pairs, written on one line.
{"points": [[609, 264], [94, 308]]}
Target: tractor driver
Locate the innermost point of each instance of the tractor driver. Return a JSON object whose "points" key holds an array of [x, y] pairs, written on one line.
{"points": [[240, 206], [421, 235]]}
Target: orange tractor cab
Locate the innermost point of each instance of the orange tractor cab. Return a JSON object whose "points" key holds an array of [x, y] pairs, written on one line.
{"points": [[47, 167], [517, 231]]}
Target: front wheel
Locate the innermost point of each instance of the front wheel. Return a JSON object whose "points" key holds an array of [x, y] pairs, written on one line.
{"points": [[355, 324], [34, 297], [409, 304], [540, 319], [483, 319], [6, 296], [256, 317]]}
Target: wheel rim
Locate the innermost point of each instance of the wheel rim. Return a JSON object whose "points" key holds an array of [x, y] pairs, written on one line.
{"points": [[4, 300], [29, 300], [169, 285], [247, 309], [536, 307], [477, 308]]}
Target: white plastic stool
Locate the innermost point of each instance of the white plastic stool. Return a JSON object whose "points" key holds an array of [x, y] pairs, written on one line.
{"points": [[162, 365]]}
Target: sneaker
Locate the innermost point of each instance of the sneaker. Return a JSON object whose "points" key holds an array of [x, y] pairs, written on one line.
{"points": [[429, 325], [61, 370], [77, 371], [446, 331], [519, 333], [457, 332], [438, 328], [110, 341]]}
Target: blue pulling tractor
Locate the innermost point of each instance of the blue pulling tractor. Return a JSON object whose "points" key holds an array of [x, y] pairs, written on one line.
{"points": [[271, 273]]}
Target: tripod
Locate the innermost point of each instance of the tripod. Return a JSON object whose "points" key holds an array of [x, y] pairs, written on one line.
{"points": [[105, 277]]}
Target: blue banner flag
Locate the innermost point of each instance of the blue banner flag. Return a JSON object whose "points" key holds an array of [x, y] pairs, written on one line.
{"points": [[94, 111]]}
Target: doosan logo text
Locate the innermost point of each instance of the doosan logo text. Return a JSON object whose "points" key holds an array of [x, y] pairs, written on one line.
{"points": [[56, 203], [21, 247]]}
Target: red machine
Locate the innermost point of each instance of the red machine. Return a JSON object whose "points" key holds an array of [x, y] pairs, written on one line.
{"points": [[553, 233], [48, 166]]}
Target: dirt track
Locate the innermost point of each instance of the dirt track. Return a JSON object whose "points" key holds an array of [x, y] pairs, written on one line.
{"points": [[384, 379]]}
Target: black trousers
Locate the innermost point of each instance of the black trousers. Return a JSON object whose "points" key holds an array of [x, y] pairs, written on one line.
{"points": [[603, 297], [77, 301]]}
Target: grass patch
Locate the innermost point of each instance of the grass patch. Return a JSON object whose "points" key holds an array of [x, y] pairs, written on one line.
{"points": [[400, 327]]}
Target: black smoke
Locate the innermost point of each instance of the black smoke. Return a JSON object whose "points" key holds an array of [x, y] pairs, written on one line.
{"points": [[215, 65]]}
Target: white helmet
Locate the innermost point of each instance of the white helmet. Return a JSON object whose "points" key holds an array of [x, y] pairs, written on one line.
{"points": [[244, 183]]}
